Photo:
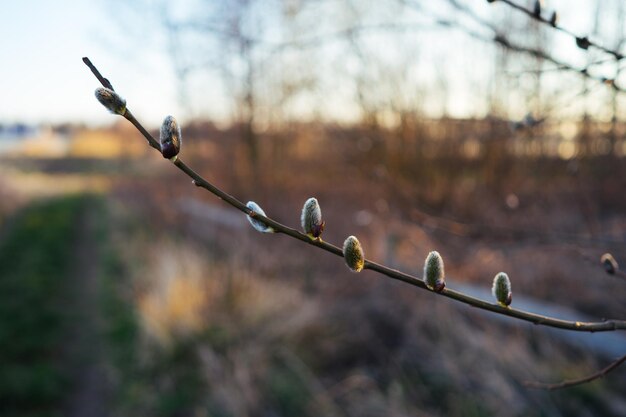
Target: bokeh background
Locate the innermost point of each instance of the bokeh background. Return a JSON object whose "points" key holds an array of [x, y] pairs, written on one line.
{"points": [[460, 126]]}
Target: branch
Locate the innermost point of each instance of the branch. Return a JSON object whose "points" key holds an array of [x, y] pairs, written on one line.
{"points": [[500, 39], [583, 42], [573, 382], [607, 325]]}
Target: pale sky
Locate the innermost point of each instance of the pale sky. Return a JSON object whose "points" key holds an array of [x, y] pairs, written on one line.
{"points": [[42, 77]]}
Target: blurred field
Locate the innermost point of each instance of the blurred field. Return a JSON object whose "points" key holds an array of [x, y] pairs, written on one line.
{"points": [[490, 131], [36, 255], [153, 298]]}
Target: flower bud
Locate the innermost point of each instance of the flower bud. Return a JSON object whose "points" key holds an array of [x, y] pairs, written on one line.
{"points": [[353, 254], [554, 19], [171, 137], [311, 218], [609, 263], [537, 8], [111, 100], [257, 224], [501, 289], [583, 42], [434, 274]]}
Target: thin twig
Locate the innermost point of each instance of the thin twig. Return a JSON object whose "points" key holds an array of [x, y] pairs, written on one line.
{"points": [[558, 68], [607, 325], [573, 382], [478, 230]]}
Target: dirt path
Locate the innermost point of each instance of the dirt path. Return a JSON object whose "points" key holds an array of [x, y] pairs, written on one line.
{"points": [[88, 397]]}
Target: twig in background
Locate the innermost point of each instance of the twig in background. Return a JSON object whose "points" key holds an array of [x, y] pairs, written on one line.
{"points": [[499, 38], [582, 42], [579, 381]]}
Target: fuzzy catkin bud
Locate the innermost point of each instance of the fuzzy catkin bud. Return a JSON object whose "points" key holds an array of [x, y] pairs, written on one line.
{"points": [[554, 19], [257, 224], [609, 263], [171, 137], [311, 218], [583, 42], [537, 8], [111, 100], [353, 254], [501, 289], [434, 274]]}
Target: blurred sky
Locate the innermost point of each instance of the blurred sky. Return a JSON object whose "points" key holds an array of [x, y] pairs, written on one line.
{"points": [[44, 80]]}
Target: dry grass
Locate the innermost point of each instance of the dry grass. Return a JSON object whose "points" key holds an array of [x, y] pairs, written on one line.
{"points": [[271, 341], [233, 322]]}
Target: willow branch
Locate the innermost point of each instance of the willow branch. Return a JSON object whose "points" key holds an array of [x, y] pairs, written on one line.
{"points": [[607, 325], [579, 381]]}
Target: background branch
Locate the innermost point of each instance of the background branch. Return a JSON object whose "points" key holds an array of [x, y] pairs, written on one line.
{"points": [[579, 381], [500, 39], [539, 17]]}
